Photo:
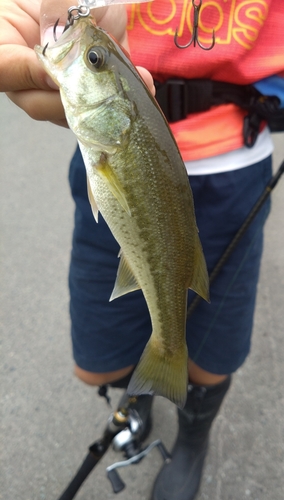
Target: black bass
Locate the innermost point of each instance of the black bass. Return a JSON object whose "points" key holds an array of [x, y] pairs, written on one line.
{"points": [[137, 180]]}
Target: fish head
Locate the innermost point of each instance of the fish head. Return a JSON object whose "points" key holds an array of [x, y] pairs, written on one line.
{"points": [[81, 52], [89, 67]]}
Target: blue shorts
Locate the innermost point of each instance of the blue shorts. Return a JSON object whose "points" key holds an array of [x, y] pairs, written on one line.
{"points": [[107, 336]]}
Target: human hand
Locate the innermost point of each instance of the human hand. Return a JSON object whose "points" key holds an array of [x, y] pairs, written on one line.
{"points": [[22, 77], [25, 23]]}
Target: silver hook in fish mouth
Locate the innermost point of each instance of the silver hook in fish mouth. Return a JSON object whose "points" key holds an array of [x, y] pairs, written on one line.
{"points": [[194, 39], [44, 49], [54, 30], [82, 11]]}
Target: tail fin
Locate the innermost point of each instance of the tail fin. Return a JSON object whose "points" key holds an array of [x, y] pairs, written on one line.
{"points": [[157, 373]]}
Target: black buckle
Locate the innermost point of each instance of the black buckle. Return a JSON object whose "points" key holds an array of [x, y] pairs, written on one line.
{"points": [[251, 129], [262, 108], [179, 97], [172, 98]]}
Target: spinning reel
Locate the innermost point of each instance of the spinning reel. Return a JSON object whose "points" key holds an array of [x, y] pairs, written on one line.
{"points": [[126, 431]]}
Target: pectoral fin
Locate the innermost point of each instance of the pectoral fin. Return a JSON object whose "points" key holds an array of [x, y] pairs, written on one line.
{"points": [[125, 280], [92, 201], [108, 175]]}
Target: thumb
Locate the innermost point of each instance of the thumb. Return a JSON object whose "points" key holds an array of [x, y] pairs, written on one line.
{"points": [[22, 70]]}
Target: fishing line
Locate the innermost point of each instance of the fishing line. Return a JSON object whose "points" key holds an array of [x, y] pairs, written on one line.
{"points": [[231, 283], [254, 211]]}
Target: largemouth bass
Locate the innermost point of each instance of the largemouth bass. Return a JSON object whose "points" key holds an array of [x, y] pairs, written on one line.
{"points": [[137, 180]]}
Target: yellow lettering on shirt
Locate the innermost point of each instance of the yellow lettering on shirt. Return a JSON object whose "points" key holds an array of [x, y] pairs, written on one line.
{"points": [[232, 20], [249, 17]]}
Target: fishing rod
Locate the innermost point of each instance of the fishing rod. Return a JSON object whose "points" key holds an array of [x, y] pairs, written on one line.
{"points": [[123, 429], [231, 247]]}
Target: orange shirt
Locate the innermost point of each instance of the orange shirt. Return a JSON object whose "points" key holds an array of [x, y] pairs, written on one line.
{"points": [[249, 46]]}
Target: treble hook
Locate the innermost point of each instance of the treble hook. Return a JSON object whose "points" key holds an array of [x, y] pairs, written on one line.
{"points": [[82, 11], [194, 38], [54, 30], [44, 49]]}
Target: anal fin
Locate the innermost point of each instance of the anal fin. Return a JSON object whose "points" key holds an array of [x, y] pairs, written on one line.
{"points": [[199, 281], [125, 280]]}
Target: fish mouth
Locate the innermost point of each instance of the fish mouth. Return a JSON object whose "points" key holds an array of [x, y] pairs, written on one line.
{"points": [[66, 47], [55, 53], [58, 54]]}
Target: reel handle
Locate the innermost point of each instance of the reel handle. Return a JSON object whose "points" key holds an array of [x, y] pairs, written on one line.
{"points": [[116, 481], [113, 475]]}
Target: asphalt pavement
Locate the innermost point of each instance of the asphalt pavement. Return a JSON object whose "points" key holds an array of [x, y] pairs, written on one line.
{"points": [[48, 418]]}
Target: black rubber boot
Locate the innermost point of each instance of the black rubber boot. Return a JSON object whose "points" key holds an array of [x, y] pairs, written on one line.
{"points": [[180, 479]]}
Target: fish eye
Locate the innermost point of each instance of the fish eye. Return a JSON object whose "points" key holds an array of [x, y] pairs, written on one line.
{"points": [[96, 57]]}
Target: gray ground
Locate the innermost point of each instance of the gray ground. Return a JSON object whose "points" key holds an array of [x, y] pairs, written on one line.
{"points": [[48, 417]]}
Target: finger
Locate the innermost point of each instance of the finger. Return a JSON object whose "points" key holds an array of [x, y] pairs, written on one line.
{"points": [[40, 105], [20, 70], [114, 20], [148, 79]]}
